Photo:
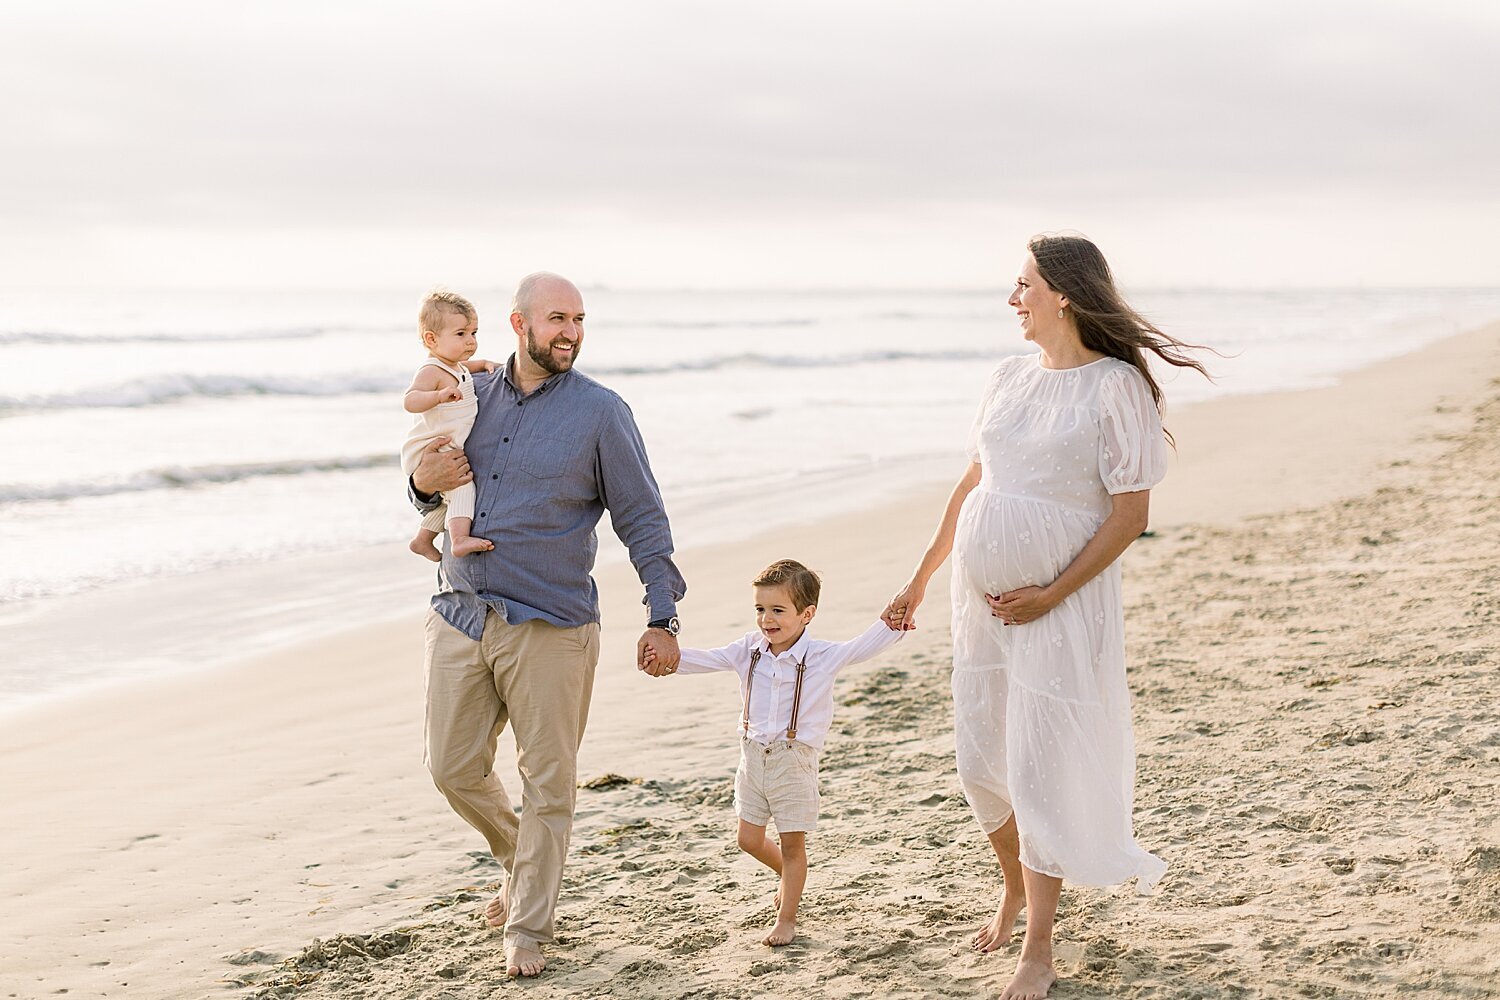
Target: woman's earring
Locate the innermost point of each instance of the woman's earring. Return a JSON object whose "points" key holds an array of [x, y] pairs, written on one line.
{"points": [[1059, 314]]}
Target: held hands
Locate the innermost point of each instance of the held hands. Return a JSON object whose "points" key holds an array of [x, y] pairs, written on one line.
{"points": [[900, 614], [439, 470], [657, 652], [1017, 607]]}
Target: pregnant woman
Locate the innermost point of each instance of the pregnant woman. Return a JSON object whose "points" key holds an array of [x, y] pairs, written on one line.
{"points": [[1063, 455]]}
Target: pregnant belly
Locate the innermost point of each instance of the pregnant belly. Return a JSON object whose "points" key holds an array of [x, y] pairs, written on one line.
{"points": [[1005, 543]]}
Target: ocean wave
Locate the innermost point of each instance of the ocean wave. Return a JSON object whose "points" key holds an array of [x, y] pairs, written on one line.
{"points": [[973, 316], [756, 360], [710, 324], [64, 338], [177, 478], [155, 390]]}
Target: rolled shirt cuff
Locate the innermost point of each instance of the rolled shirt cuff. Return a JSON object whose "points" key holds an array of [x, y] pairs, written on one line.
{"points": [[662, 606], [424, 502]]}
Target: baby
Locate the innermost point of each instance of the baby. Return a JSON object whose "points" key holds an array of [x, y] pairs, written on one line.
{"points": [[442, 397], [786, 683]]}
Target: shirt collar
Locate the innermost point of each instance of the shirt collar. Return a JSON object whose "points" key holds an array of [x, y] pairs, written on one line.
{"points": [[551, 380], [798, 649]]}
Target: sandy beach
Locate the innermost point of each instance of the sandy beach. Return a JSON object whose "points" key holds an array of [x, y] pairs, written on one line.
{"points": [[1314, 632]]}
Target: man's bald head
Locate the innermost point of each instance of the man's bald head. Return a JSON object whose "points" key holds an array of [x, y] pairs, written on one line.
{"points": [[535, 286]]}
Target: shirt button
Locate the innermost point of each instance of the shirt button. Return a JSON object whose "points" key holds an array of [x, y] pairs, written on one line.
{"points": [[506, 440], [493, 476], [481, 513]]}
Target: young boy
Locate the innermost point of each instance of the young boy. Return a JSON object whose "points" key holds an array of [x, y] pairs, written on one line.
{"points": [[786, 684], [442, 397]]}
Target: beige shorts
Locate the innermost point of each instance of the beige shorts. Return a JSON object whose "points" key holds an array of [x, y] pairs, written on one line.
{"points": [[777, 782]]}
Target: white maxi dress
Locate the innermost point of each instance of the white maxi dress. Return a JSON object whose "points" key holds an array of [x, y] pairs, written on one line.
{"points": [[1042, 710]]}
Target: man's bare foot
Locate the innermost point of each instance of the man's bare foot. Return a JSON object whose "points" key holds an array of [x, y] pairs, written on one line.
{"points": [[785, 932], [523, 961], [424, 548], [470, 545], [497, 910], [997, 930], [1031, 982]]}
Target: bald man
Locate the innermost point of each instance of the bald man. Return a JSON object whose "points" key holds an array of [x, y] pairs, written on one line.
{"points": [[513, 633]]}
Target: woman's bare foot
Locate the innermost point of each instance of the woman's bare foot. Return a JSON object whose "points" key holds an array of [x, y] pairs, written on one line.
{"points": [[424, 548], [1031, 981], [785, 932], [996, 932], [497, 910], [523, 961], [471, 544]]}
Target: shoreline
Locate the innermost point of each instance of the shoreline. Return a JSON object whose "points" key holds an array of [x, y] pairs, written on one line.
{"points": [[276, 760], [262, 608]]}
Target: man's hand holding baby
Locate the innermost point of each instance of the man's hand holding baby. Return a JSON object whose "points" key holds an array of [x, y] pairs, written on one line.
{"points": [[439, 471]]}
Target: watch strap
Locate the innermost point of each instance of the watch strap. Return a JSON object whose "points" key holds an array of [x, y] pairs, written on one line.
{"points": [[669, 625]]}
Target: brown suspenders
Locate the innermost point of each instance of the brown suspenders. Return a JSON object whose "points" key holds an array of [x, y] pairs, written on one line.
{"points": [[791, 729], [749, 686]]}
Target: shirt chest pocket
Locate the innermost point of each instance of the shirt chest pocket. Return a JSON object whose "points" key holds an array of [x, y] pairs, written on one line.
{"points": [[551, 458]]}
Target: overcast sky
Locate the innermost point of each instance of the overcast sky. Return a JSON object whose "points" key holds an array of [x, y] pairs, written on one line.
{"points": [[707, 144]]}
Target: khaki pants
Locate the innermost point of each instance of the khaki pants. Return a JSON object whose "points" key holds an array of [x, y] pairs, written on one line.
{"points": [[538, 678]]}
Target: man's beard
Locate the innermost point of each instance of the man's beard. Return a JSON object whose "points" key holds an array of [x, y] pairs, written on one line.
{"points": [[543, 356]]}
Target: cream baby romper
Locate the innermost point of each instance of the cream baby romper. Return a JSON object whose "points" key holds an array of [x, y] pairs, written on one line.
{"points": [[453, 420]]}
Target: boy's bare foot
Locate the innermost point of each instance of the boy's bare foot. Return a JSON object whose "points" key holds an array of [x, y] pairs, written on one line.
{"points": [[997, 930], [497, 910], [785, 932], [424, 548], [523, 961], [1031, 982], [470, 545]]}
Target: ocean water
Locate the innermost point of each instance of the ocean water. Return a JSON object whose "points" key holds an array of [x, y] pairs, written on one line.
{"points": [[150, 436]]}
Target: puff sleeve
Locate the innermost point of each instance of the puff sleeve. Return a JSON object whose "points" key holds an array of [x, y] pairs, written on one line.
{"points": [[991, 393], [1132, 444]]}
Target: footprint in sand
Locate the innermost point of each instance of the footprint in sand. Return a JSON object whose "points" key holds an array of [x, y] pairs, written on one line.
{"points": [[698, 940]]}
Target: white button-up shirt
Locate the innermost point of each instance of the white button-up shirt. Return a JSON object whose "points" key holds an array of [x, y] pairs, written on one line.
{"points": [[776, 678]]}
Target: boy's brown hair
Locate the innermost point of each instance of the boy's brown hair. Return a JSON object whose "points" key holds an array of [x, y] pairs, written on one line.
{"points": [[439, 302], [801, 583]]}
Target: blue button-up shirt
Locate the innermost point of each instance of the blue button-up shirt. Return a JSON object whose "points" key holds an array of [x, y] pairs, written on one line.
{"points": [[546, 466]]}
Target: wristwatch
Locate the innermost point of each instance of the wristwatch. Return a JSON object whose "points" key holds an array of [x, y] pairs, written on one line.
{"points": [[671, 626]]}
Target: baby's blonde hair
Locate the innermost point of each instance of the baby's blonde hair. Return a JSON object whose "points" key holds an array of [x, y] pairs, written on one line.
{"points": [[438, 303]]}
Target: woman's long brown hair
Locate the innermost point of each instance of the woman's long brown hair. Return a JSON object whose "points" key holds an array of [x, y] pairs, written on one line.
{"points": [[1074, 267]]}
